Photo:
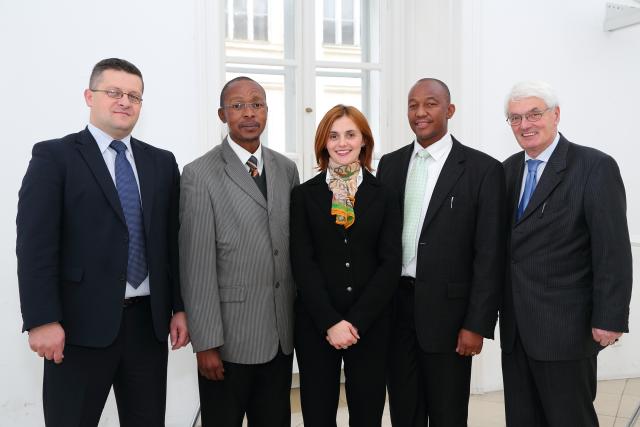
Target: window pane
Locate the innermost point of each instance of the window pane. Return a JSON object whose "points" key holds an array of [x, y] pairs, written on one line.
{"points": [[350, 33], [269, 23], [337, 90]]}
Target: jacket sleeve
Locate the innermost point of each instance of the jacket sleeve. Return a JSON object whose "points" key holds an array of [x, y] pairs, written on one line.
{"points": [[198, 272], [605, 213], [39, 223], [489, 258]]}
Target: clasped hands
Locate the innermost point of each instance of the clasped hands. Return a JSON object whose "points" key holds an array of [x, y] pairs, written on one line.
{"points": [[342, 335]]}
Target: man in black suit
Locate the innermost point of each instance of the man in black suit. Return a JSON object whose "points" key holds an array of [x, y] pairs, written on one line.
{"points": [[97, 229], [569, 277], [453, 240]]}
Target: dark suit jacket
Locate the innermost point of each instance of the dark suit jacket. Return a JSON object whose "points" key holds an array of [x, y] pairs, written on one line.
{"points": [[461, 247], [343, 273], [570, 256], [72, 239]]}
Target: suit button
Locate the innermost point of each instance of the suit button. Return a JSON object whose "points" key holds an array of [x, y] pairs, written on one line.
{"points": [[346, 264], [125, 239], [349, 288], [275, 252], [345, 241], [277, 285]]}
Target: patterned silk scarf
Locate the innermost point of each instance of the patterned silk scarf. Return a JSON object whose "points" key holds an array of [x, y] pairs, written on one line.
{"points": [[343, 183]]}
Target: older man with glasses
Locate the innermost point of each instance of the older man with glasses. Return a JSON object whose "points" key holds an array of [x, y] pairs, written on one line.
{"points": [[568, 281]]}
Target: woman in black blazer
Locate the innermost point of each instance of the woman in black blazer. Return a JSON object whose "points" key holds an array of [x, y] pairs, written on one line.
{"points": [[346, 254]]}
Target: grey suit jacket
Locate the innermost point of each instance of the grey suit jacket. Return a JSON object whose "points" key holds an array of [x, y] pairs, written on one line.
{"points": [[569, 267], [234, 256]]}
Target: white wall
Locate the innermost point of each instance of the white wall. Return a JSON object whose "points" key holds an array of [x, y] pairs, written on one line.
{"points": [[47, 51], [480, 48]]}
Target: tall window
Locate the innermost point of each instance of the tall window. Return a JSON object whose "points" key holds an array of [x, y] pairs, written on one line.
{"points": [[318, 54]]}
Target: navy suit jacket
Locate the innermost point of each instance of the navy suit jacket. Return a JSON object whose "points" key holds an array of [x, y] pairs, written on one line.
{"points": [[459, 274], [72, 239], [569, 266]]}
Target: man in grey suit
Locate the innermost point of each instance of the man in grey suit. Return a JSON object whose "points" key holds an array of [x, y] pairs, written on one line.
{"points": [[234, 263], [568, 282]]}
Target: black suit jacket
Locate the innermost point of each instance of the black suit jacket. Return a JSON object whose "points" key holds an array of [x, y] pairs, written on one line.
{"points": [[459, 275], [72, 239], [340, 273], [570, 256]]}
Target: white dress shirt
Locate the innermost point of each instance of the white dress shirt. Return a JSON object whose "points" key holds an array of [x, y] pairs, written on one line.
{"points": [[544, 157], [109, 156], [438, 152], [244, 155]]}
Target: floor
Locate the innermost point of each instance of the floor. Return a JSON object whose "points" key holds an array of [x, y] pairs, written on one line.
{"points": [[615, 404]]}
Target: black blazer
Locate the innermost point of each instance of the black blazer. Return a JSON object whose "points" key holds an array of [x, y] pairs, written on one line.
{"points": [[72, 239], [345, 274], [459, 274], [570, 255]]}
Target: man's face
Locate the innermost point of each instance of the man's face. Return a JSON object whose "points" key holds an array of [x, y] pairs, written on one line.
{"points": [[246, 124], [534, 136], [116, 117], [429, 111]]}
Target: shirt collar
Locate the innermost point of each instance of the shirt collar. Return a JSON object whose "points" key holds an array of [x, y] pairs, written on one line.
{"points": [[103, 139], [243, 154], [546, 154], [435, 150]]}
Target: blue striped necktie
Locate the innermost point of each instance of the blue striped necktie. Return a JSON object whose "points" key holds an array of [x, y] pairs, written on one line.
{"points": [[130, 201], [529, 186]]}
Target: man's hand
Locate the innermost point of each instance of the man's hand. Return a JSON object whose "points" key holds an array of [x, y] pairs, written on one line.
{"points": [[178, 330], [342, 335], [605, 338], [469, 343], [48, 341], [210, 364]]}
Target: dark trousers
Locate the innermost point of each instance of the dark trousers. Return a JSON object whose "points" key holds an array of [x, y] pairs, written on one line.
{"points": [[260, 391], [75, 391], [423, 387], [364, 370], [548, 394]]}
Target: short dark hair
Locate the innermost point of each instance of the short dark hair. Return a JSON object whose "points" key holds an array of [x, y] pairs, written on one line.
{"points": [[223, 92], [442, 84], [113, 64]]}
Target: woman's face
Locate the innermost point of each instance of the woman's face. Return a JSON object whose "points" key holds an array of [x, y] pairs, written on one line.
{"points": [[345, 141]]}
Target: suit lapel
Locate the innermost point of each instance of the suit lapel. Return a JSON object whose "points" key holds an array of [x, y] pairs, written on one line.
{"points": [[403, 171], [514, 191], [451, 171], [365, 195], [146, 177], [238, 174], [90, 152], [551, 177], [271, 168]]}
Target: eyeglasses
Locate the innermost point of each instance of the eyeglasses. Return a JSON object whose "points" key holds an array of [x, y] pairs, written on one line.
{"points": [[239, 106], [531, 116], [134, 98]]}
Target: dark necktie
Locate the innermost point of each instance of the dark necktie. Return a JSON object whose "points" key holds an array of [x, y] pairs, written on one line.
{"points": [[529, 186], [257, 177], [130, 201], [253, 166]]}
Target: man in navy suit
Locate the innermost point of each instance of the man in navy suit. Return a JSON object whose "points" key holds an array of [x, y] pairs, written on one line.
{"points": [[568, 281], [97, 229]]}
